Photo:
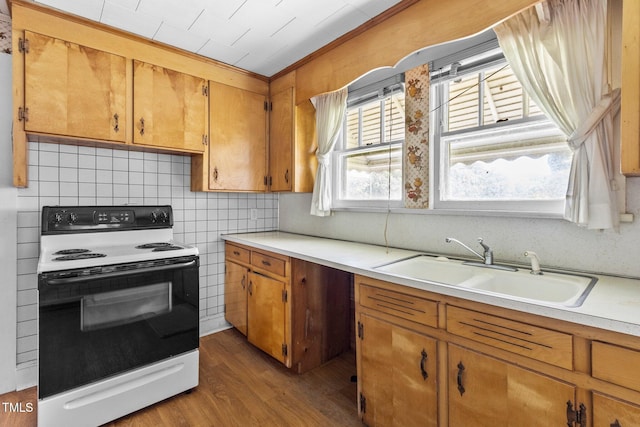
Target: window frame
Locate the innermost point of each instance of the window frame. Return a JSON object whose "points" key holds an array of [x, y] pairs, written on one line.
{"points": [[439, 153], [359, 98]]}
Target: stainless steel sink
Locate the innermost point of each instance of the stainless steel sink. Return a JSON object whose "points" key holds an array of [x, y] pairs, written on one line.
{"points": [[554, 288]]}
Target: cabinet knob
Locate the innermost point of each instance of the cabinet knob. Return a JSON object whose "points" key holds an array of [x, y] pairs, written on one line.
{"points": [[215, 174], [141, 125], [116, 125], [286, 176]]}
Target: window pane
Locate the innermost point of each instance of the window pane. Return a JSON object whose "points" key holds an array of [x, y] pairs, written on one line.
{"points": [[394, 117], [368, 175], [463, 102], [526, 161], [371, 118], [352, 126], [522, 178]]}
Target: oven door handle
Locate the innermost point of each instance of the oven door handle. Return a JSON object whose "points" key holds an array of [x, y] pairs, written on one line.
{"points": [[70, 280]]}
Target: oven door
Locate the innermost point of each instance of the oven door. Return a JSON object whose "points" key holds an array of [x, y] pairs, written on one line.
{"points": [[96, 323]]}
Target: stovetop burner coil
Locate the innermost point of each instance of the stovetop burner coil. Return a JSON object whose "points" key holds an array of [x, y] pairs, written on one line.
{"points": [[77, 256], [71, 251], [153, 245]]}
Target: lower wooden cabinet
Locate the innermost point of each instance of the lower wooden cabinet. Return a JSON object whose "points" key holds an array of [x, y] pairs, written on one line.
{"points": [[266, 319], [611, 412], [298, 312], [485, 365], [484, 391], [236, 280], [398, 375]]}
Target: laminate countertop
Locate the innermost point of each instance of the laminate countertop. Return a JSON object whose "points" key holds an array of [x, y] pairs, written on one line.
{"points": [[613, 304]]}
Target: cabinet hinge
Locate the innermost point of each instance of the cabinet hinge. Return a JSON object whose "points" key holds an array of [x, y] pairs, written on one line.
{"points": [[205, 90], [576, 418], [23, 114], [360, 330], [23, 45], [363, 403], [265, 180], [284, 350], [285, 295], [271, 106]]}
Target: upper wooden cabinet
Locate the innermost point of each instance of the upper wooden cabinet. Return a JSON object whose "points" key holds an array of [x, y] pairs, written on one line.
{"points": [[630, 95], [73, 90], [238, 143], [292, 138], [169, 108], [281, 138]]}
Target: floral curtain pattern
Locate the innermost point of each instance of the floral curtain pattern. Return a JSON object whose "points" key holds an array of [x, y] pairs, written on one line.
{"points": [[416, 146], [5, 33]]}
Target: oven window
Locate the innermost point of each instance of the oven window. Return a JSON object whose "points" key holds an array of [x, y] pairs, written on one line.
{"points": [[124, 306]]}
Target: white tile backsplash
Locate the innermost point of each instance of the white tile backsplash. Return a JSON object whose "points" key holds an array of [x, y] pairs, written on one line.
{"points": [[70, 175]]}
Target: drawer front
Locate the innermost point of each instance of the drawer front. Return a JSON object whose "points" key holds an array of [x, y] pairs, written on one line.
{"points": [[237, 253], [615, 364], [553, 347], [269, 263], [397, 304]]}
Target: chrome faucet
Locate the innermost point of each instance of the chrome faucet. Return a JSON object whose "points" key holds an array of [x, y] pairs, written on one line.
{"points": [[488, 253]]}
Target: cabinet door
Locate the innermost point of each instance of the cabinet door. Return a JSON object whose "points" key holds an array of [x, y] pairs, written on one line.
{"points": [[236, 280], [266, 315], [281, 141], [484, 391], [237, 152], [610, 412], [169, 108], [73, 90], [398, 375]]}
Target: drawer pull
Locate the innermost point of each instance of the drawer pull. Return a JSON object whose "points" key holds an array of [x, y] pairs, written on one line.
{"points": [[423, 361], [460, 372], [236, 253], [265, 262]]}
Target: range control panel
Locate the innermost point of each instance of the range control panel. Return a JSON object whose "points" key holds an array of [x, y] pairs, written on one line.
{"points": [[82, 219]]}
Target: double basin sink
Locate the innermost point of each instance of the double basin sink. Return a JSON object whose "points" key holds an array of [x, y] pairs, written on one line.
{"points": [[550, 288]]}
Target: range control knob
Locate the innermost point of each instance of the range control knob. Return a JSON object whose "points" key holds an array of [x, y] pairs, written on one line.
{"points": [[73, 217], [154, 217], [57, 218], [164, 216]]}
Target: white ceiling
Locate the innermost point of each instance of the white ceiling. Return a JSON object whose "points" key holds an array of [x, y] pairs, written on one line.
{"points": [[263, 36]]}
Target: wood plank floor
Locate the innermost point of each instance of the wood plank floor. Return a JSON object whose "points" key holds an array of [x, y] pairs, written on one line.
{"points": [[239, 386]]}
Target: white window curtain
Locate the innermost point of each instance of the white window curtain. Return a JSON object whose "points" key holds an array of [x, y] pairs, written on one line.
{"points": [[558, 50], [330, 112]]}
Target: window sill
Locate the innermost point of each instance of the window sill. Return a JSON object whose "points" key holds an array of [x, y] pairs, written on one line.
{"points": [[456, 212]]}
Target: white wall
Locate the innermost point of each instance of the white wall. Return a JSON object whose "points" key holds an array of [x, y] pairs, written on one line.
{"points": [[557, 242], [8, 236]]}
